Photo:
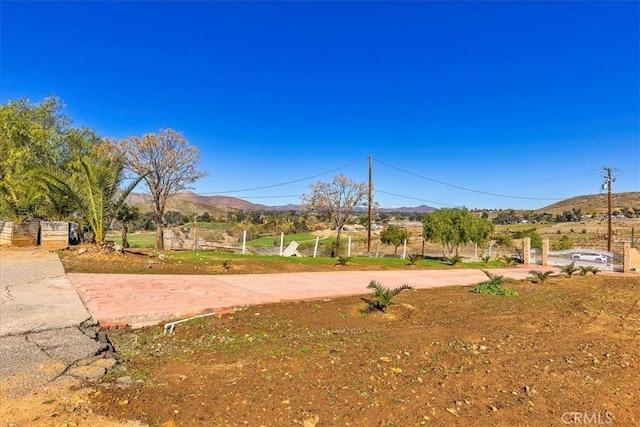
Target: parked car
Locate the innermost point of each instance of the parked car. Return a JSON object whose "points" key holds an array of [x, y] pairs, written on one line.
{"points": [[589, 257]]}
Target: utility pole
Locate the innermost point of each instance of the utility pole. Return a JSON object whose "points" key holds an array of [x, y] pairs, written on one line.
{"points": [[369, 206], [608, 181]]}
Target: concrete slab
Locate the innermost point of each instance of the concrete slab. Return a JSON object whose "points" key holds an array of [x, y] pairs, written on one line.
{"points": [[40, 321]]}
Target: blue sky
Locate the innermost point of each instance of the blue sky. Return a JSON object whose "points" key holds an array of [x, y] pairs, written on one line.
{"points": [[527, 101]]}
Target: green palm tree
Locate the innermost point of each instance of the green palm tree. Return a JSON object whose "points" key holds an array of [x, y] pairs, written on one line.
{"points": [[382, 295], [21, 199], [569, 269], [93, 186], [540, 275]]}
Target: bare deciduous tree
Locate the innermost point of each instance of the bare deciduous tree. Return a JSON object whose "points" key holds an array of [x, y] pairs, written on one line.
{"points": [[335, 201], [168, 164]]}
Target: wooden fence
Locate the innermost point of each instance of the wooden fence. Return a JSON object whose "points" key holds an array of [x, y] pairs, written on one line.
{"points": [[26, 234], [54, 234]]}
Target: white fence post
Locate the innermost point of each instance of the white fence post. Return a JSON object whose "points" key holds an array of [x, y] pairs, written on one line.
{"points": [[244, 242], [404, 251], [281, 243], [349, 248], [315, 250]]}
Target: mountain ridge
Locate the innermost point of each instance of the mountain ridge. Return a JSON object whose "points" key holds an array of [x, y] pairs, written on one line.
{"points": [[189, 202]]}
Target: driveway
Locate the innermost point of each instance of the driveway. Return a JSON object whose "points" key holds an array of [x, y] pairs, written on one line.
{"points": [[46, 333], [138, 300]]}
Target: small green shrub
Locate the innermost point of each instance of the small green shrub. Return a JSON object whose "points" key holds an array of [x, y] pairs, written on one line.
{"points": [[504, 240], [382, 296], [541, 276], [509, 260], [569, 269], [412, 259], [455, 260], [342, 260], [486, 260], [563, 244], [584, 270], [493, 286]]}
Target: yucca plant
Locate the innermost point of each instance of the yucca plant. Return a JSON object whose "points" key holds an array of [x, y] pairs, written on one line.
{"points": [[486, 260], [584, 270], [455, 260], [382, 296], [569, 269], [342, 260], [508, 260], [540, 275], [412, 259]]}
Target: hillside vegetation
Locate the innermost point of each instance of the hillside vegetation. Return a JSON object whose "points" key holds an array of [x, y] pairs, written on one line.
{"points": [[594, 203]]}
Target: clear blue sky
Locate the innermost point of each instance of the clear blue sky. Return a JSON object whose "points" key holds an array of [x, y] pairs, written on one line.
{"points": [[522, 99]]}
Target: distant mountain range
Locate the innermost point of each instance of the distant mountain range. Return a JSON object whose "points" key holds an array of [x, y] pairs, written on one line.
{"points": [[190, 203]]}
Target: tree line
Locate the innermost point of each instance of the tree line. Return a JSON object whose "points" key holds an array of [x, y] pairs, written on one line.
{"points": [[52, 169]]}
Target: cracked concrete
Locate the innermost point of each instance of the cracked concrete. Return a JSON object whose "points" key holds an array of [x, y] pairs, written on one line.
{"points": [[45, 330]]}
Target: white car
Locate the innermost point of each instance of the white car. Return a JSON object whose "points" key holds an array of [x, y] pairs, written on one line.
{"points": [[589, 257]]}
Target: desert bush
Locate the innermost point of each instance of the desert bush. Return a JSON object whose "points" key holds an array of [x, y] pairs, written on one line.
{"points": [[563, 244], [504, 240], [532, 233], [493, 286]]}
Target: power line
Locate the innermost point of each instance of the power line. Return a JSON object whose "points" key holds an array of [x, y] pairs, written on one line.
{"points": [[272, 197], [555, 178], [286, 183], [463, 188], [413, 198]]}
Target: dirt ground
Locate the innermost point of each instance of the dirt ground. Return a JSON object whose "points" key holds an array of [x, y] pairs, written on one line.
{"points": [[564, 350]]}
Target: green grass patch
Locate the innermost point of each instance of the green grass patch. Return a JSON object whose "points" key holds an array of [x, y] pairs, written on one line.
{"points": [[288, 238], [146, 239], [366, 263], [215, 226]]}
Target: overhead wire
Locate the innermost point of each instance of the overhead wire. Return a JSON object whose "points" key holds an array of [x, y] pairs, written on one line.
{"points": [[463, 188], [490, 193], [288, 182], [412, 198]]}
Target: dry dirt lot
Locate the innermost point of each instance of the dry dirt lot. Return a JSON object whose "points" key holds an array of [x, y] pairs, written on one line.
{"points": [[564, 350]]}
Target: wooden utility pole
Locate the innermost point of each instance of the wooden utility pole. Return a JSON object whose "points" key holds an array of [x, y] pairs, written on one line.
{"points": [[609, 180], [369, 206]]}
